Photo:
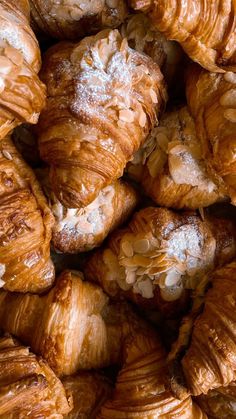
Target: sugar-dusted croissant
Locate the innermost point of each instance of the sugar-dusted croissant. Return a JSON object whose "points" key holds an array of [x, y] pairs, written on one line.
{"points": [[89, 391], [73, 326], [142, 385], [144, 38], [209, 362], [205, 29], [25, 226], [212, 102], [71, 19], [219, 403], [22, 95], [103, 98], [161, 252], [81, 229], [175, 173], [28, 387]]}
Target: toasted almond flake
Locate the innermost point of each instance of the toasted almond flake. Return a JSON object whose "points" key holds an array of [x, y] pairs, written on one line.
{"points": [[127, 249], [7, 154], [228, 98], [2, 283], [145, 288], [172, 278], [142, 119], [130, 277], [126, 115], [2, 269], [230, 115], [140, 260], [129, 262], [141, 246], [230, 77], [162, 140], [171, 293]]}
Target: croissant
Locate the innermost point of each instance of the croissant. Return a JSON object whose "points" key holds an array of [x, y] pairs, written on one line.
{"points": [[22, 95], [219, 403], [209, 362], [142, 385], [25, 226], [175, 174], [81, 229], [211, 100], [103, 98], [72, 326], [28, 387], [205, 30], [160, 255], [66, 19], [89, 390]]}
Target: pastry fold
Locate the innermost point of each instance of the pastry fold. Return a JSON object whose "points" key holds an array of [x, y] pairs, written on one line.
{"points": [[81, 229], [22, 95], [25, 226], [209, 362], [28, 387], [160, 256], [212, 102], [205, 29], [219, 403], [103, 98], [66, 19]]}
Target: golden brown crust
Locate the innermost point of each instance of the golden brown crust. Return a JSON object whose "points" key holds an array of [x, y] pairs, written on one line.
{"points": [[66, 19], [28, 387], [103, 98], [219, 403], [163, 250], [207, 30], [212, 102], [78, 230], [89, 391], [25, 226], [22, 95], [210, 360]]}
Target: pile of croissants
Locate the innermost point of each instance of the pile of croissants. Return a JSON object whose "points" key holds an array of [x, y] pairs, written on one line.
{"points": [[117, 209]]}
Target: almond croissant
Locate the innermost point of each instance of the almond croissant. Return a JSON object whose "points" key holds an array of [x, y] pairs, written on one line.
{"points": [[103, 98], [219, 403], [25, 226], [209, 362], [142, 385], [88, 390], [212, 102], [28, 387], [72, 326], [205, 29], [81, 229], [175, 173], [71, 19], [161, 252], [22, 95]]}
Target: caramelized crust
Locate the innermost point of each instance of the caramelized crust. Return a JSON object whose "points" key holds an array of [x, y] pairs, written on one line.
{"points": [[22, 95], [103, 98], [212, 102], [25, 226], [209, 362], [28, 387], [66, 19], [219, 403], [207, 30]]}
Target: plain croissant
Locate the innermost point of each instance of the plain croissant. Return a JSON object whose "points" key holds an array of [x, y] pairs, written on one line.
{"points": [[22, 95], [160, 255], [81, 229], [103, 98], [72, 19], [212, 102], [28, 387], [25, 226], [205, 29]]}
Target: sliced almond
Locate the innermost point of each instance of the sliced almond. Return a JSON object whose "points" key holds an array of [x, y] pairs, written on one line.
{"points": [[228, 98], [127, 249], [141, 246], [230, 115]]}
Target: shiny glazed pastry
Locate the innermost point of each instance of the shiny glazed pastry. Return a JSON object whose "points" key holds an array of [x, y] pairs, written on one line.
{"points": [[219, 403], [72, 326], [103, 98], [88, 390], [212, 102], [81, 229], [209, 362], [25, 226], [207, 32], [28, 387], [142, 388], [161, 252], [22, 95], [175, 173], [72, 19]]}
